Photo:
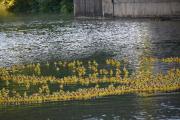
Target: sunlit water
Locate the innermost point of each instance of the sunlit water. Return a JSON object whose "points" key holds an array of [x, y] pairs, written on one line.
{"points": [[27, 39]]}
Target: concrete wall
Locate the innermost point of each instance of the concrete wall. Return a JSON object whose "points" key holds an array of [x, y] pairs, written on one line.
{"points": [[146, 8], [107, 7], [88, 8], [127, 8]]}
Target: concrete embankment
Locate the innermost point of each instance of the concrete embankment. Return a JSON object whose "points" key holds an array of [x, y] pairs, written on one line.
{"points": [[127, 8]]}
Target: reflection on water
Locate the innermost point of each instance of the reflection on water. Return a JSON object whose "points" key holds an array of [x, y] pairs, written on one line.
{"points": [[24, 40], [109, 108], [49, 38]]}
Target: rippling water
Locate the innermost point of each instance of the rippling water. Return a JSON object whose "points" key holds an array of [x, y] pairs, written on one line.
{"points": [[27, 39], [126, 107]]}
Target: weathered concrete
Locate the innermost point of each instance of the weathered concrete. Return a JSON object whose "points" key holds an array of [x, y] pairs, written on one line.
{"points": [[146, 8], [127, 8], [88, 8], [107, 8]]}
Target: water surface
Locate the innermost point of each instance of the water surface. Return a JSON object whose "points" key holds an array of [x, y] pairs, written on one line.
{"points": [[26, 39], [43, 38], [159, 107]]}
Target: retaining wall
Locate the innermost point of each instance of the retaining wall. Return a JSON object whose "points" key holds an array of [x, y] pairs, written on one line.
{"points": [[127, 8]]}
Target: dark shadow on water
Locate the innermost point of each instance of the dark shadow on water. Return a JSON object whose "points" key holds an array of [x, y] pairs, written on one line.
{"points": [[107, 108]]}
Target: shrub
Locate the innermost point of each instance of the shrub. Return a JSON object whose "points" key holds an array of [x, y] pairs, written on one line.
{"points": [[32, 6]]}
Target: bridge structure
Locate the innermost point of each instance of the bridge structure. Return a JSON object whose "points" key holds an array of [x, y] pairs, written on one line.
{"points": [[127, 8]]}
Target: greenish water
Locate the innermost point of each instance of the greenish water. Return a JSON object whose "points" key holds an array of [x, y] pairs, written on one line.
{"points": [[40, 38], [127, 107]]}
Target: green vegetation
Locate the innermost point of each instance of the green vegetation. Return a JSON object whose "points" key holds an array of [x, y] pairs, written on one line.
{"points": [[38, 6], [81, 80], [3, 11]]}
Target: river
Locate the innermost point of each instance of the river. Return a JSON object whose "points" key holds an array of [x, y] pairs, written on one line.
{"points": [[40, 38]]}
